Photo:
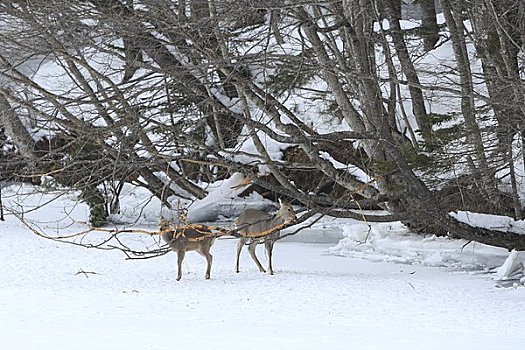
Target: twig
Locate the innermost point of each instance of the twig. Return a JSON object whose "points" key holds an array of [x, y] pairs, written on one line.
{"points": [[302, 219], [1, 206], [367, 234], [86, 273], [466, 244], [134, 254]]}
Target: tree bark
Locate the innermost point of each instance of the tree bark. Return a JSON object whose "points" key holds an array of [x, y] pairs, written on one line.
{"points": [[453, 17], [16, 131], [429, 26], [407, 66]]}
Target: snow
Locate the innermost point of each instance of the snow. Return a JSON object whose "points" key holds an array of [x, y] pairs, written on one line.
{"points": [[208, 208], [512, 268], [247, 152], [496, 222], [394, 242], [323, 296], [351, 169], [314, 301]]}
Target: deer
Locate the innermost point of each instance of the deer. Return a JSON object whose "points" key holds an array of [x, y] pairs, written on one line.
{"points": [[185, 239], [255, 222]]}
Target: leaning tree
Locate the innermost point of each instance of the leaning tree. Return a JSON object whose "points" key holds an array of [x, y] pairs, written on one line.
{"points": [[337, 105]]}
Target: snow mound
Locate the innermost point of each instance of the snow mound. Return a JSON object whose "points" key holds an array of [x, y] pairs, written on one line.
{"points": [[393, 242], [140, 206], [491, 222], [512, 268], [220, 195]]}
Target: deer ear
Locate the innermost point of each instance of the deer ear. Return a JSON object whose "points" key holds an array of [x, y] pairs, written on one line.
{"points": [[280, 202]]}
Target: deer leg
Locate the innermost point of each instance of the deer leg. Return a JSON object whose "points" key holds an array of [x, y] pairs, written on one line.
{"points": [[269, 249], [251, 249], [240, 244], [180, 258], [209, 258]]}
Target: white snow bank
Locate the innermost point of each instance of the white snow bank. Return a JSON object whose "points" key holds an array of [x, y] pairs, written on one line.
{"points": [[512, 268], [492, 222], [394, 242], [140, 206], [220, 194]]}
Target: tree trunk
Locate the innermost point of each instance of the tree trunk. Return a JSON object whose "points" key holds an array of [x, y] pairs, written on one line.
{"points": [[16, 131], [429, 26], [453, 17], [423, 206], [407, 66], [499, 55]]}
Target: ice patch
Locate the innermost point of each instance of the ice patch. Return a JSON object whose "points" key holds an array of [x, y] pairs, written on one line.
{"points": [[394, 242]]}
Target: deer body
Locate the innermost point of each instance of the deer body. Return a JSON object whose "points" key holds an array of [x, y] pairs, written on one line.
{"points": [[183, 243], [253, 222]]}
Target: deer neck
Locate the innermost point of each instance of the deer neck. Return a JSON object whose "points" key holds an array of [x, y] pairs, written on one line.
{"points": [[277, 220]]}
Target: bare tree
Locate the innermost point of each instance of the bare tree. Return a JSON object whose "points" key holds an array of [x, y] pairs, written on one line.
{"points": [[171, 95]]}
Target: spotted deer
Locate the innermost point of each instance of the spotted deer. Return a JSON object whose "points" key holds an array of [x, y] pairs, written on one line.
{"points": [[254, 222], [182, 240]]}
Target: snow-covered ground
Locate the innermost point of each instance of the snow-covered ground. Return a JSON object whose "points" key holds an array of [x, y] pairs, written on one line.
{"points": [[350, 295]]}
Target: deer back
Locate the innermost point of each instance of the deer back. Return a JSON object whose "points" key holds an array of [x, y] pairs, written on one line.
{"points": [[258, 221], [185, 241]]}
